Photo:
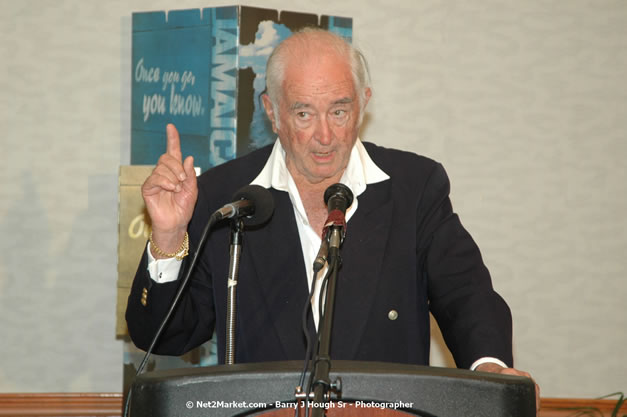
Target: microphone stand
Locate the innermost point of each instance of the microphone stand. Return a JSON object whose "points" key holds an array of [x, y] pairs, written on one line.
{"points": [[231, 302], [322, 363]]}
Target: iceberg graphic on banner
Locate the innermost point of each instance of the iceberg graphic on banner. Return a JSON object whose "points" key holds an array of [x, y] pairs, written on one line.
{"points": [[204, 71]]}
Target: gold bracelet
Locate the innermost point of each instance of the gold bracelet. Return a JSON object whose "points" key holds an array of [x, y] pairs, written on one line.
{"points": [[179, 254]]}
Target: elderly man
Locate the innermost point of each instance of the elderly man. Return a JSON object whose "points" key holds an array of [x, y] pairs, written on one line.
{"points": [[405, 254]]}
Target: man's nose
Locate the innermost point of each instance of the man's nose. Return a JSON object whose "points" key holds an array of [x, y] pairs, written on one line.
{"points": [[323, 132]]}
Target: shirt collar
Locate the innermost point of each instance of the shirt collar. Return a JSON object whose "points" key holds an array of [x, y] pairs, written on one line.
{"points": [[360, 171]]}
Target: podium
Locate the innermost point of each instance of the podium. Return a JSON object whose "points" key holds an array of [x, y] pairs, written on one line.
{"points": [[258, 388]]}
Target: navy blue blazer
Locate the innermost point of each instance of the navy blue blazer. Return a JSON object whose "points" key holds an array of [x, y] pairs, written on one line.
{"points": [[405, 250]]}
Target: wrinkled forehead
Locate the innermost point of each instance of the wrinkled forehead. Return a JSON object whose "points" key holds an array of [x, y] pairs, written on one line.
{"points": [[320, 83]]}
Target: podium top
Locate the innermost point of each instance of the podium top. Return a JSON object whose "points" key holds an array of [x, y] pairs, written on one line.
{"points": [[227, 390]]}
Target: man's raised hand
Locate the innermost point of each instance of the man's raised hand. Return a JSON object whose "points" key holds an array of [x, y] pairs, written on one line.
{"points": [[170, 194]]}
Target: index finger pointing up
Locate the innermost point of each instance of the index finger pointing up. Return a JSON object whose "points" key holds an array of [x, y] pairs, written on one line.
{"points": [[173, 145]]}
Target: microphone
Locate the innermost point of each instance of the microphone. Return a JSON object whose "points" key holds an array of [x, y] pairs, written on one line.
{"points": [[253, 203], [338, 197]]}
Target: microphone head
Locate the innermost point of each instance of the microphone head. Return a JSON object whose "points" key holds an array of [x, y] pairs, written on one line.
{"points": [[262, 201], [338, 196]]}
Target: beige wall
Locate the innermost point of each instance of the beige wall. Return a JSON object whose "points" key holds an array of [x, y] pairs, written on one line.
{"points": [[525, 103]]}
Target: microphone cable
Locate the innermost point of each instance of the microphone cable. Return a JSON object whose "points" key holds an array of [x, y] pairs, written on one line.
{"points": [[215, 217], [311, 348], [306, 309]]}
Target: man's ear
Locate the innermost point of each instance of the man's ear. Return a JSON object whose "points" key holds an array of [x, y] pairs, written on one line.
{"points": [[367, 95], [362, 109], [269, 108]]}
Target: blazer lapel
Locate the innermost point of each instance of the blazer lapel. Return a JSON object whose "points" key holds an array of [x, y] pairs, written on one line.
{"points": [[280, 272], [362, 253]]}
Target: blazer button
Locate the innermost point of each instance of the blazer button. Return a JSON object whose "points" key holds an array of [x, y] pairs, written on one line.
{"points": [[393, 315]]}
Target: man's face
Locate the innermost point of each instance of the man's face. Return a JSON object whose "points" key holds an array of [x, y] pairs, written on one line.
{"points": [[319, 117]]}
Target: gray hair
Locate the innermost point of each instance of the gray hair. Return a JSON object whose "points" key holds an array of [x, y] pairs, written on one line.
{"points": [[275, 67]]}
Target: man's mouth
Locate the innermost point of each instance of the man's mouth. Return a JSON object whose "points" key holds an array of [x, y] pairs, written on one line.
{"points": [[320, 154]]}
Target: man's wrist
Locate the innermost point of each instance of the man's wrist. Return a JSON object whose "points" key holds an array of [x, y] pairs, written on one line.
{"points": [[487, 361], [169, 245]]}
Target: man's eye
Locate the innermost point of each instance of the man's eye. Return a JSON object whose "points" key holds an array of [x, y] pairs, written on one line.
{"points": [[339, 113], [302, 114]]}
